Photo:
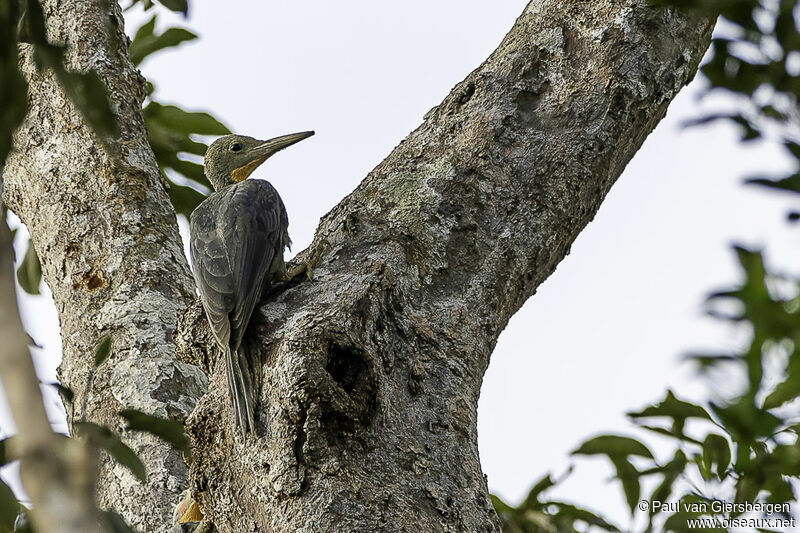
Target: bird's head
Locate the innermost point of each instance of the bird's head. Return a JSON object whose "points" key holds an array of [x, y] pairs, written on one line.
{"points": [[232, 158]]}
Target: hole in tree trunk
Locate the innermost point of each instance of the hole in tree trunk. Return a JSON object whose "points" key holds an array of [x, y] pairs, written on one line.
{"points": [[353, 371]]}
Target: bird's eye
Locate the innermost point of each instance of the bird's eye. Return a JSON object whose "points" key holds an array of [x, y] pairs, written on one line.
{"points": [[235, 147]]}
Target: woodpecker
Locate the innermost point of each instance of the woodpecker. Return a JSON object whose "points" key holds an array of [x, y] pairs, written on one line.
{"points": [[237, 238]]}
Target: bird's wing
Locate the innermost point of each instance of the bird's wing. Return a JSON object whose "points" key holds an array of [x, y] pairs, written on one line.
{"points": [[254, 239], [212, 272], [234, 240]]}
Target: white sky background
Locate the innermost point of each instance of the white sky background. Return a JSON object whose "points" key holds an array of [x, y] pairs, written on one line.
{"points": [[605, 333]]}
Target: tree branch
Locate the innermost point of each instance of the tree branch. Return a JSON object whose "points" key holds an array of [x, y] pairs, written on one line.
{"points": [[372, 372]]}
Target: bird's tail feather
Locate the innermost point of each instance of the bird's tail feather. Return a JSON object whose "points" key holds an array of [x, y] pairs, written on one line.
{"points": [[240, 384]]}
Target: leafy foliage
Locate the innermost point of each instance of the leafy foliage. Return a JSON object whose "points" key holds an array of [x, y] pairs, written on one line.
{"points": [[746, 448], [146, 42], [619, 450], [172, 130], [536, 514], [757, 59]]}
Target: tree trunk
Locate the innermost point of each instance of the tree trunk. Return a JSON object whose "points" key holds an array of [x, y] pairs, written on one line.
{"points": [[370, 374], [102, 224]]}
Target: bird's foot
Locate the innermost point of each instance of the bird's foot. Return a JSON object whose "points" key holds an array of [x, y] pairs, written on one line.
{"points": [[307, 266]]}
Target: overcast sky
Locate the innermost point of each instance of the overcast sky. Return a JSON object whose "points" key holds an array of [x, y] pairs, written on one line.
{"points": [[604, 334]]}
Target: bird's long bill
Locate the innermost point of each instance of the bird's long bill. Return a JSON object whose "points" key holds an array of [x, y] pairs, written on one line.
{"points": [[263, 151]]}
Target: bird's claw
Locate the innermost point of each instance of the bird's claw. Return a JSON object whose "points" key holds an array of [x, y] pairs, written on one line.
{"points": [[307, 266]]}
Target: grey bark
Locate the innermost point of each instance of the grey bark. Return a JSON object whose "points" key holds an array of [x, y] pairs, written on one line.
{"points": [[102, 224], [370, 374]]}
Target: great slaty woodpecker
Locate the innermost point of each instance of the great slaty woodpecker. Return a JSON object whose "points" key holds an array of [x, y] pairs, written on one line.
{"points": [[238, 235]]}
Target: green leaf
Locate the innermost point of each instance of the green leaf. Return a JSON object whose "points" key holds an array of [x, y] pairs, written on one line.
{"points": [[670, 433], [783, 461], [4, 458], [9, 507], [23, 522], [499, 505], [613, 446], [67, 395], [189, 170], [629, 477], [790, 184], [708, 360], [188, 122], [115, 523], [532, 500], [780, 490], [184, 199], [672, 407], [784, 392], [168, 430], [106, 439], [145, 30], [702, 467], [747, 489], [13, 88], [146, 5], [166, 139], [147, 44], [169, 130], [671, 472], [716, 451], [29, 273], [793, 148], [749, 132], [102, 350], [179, 6], [680, 522], [618, 449], [89, 94], [573, 513], [745, 422], [677, 410]]}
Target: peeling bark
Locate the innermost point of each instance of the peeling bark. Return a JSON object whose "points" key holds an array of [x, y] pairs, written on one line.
{"points": [[371, 373], [105, 231]]}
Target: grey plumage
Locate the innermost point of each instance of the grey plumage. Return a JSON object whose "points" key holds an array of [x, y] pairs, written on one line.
{"points": [[238, 235]]}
